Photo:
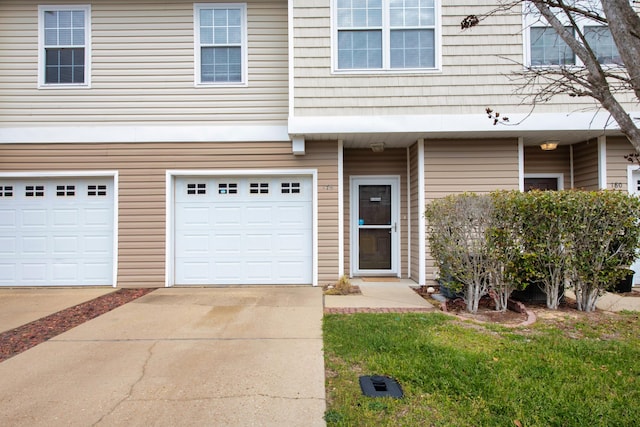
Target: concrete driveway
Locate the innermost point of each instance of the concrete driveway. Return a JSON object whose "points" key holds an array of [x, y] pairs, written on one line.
{"points": [[178, 356]]}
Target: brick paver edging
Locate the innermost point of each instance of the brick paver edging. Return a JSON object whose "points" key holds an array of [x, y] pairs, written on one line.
{"points": [[353, 310]]}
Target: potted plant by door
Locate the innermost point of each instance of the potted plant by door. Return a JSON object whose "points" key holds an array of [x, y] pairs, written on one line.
{"points": [[624, 285]]}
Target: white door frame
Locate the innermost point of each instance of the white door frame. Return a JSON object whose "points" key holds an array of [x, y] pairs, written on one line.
{"points": [[170, 179], [354, 182], [633, 189]]}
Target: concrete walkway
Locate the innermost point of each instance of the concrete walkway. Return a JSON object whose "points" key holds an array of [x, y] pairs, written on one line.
{"points": [[613, 302], [379, 296], [178, 356]]}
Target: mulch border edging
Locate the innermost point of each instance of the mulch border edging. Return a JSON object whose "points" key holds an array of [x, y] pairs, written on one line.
{"points": [[16, 340], [514, 305], [353, 310]]}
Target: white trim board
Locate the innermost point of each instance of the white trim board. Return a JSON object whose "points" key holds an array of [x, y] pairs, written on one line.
{"points": [[143, 133], [451, 123]]}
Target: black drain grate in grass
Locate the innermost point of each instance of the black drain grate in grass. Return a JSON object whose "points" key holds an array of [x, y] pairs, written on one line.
{"points": [[380, 386]]}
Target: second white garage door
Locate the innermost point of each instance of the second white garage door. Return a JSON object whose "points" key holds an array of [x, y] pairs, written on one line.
{"points": [[243, 230]]}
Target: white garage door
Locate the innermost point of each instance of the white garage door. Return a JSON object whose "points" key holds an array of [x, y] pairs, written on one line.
{"points": [[243, 230], [56, 231]]}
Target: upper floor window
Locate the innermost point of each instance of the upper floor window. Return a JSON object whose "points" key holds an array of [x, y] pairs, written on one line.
{"points": [[64, 45], [221, 43], [386, 34], [546, 48]]}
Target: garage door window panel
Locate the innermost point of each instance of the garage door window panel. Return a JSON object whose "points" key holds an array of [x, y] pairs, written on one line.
{"points": [[65, 190], [96, 190], [34, 191], [228, 188], [6, 190], [259, 188], [199, 188]]}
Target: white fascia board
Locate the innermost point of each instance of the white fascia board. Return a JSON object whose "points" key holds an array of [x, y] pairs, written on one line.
{"points": [[143, 133], [438, 123]]}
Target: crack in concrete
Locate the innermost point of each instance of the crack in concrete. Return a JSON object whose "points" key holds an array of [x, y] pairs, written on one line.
{"points": [[239, 396], [143, 373]]}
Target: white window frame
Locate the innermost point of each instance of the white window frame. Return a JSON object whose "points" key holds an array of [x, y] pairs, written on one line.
{"points": [[197, 7], [532, 19], [386, 44], [41, 46]]}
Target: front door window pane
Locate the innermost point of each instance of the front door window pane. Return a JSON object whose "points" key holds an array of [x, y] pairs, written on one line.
{"points": [[375, 205], [375, 249]]}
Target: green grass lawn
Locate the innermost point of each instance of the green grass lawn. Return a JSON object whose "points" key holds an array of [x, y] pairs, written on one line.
{"points": [[573, 371]]}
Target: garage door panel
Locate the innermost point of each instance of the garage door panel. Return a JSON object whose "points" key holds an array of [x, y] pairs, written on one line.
{"points": [[193, 216], [65, 218], [227, 216], [34, 218], [8, 246], [227, 243], [194, 244], [64, 272], [60, 231], [34, 273], [100, 218], [65, 246], [259, 230], [97, 245], [34, 246], [8, 219], [94, 272]]}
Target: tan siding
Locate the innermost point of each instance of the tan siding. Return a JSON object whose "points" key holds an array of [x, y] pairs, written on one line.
{"points": [[365, 162], [415, 213], [143, 68], [476, 68], [486, 165], [537, 161], [142, 189], [585, 165], [617, 165]]}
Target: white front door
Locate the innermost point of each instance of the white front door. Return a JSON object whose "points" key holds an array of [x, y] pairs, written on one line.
{"points": [[375, 225]]}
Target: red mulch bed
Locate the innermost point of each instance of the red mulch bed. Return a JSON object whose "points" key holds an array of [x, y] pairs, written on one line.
{"points": [[15, 341]]}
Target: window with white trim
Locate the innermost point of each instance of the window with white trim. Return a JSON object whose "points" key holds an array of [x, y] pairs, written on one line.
{"points": [[64, 45], [221, 43], [546, 48], [387, 35]]}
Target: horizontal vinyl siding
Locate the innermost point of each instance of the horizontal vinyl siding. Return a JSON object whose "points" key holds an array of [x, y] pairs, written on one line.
{"points": [[476, 68], [142, 180], [360, 162], [415, 214], [143, 68], [480, 166], [585, 165], [537, 161], [617, 165]]}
